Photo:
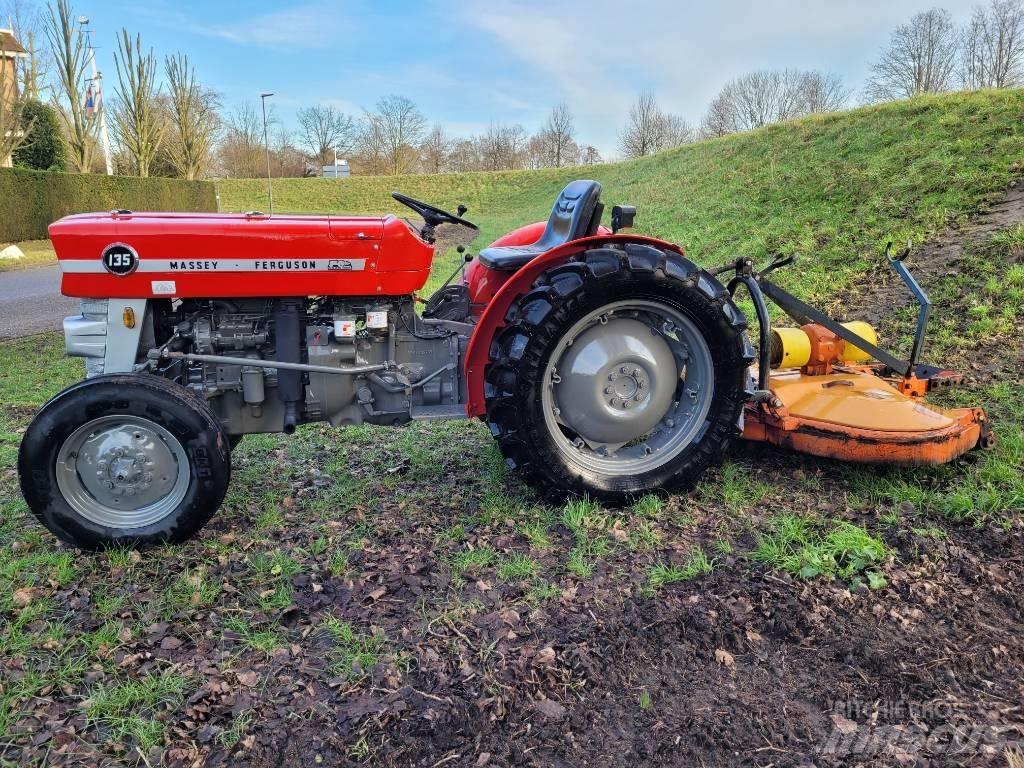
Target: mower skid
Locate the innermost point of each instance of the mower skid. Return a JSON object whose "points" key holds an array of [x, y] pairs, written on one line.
{"points": [[860, 418]]}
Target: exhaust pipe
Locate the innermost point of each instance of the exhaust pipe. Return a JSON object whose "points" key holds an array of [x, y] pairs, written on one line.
{"points": [[288, 349]]}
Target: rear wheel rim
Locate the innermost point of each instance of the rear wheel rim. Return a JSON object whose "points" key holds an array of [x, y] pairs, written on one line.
{"points": [[122, 472], [628, 387]]}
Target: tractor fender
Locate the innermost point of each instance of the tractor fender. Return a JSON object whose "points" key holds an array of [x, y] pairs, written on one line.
{"points": [[493, 317]]}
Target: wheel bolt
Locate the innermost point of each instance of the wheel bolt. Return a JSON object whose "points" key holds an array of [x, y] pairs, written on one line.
{"points": [[640, 384], [636, 372], [625, 403], [623, 369], [637, 397], [609, 390]]}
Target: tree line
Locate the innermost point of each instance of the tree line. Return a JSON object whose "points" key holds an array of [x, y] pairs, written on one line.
{"points": [[165, 122]]}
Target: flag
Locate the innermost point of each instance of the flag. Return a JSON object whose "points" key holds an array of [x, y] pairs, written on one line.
{"points": [[92, 101]]}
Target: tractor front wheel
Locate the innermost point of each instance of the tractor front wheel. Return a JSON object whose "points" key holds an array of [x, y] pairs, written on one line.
{"points": [[623, 371], [131, 460]]}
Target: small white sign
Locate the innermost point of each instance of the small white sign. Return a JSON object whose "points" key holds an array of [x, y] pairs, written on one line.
{"points": [[164, 287]]}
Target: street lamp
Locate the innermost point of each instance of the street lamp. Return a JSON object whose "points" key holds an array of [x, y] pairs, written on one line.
{"points": [[266, 143]]}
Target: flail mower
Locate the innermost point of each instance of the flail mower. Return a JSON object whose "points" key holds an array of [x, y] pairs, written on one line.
{"points": [[604, 362]]}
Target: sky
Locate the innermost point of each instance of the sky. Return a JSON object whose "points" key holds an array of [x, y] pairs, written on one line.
{"points": [[468, 64]]}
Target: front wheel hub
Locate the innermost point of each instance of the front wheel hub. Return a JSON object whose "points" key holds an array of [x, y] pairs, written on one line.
{"points": [[122, 471]]}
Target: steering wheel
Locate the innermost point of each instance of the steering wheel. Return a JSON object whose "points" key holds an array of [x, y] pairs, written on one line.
{"points": [[431, 214]]}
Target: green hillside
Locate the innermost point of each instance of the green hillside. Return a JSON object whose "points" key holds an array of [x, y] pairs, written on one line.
{"points": [[832, 187]]}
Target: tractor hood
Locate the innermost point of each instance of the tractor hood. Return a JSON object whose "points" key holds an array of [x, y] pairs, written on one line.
{"points": [[145, 255]]}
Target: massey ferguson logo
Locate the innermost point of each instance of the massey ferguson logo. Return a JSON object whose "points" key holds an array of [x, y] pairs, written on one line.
{"points": [[120, 259], [339, 264]]}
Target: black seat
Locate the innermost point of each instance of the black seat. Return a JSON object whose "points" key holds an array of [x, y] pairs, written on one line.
{"points": [[576, 214]]}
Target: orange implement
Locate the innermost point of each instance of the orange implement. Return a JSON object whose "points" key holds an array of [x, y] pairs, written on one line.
{"points": [[860, 417]]}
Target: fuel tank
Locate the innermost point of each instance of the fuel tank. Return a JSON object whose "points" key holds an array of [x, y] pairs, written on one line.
{"points": [[206, 255]]}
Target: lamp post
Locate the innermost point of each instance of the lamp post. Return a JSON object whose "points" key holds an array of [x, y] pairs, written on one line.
{"points": [[99, 106], [266, 143]]}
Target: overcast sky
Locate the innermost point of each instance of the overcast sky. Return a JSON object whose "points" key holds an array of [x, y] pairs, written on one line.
{"points": [[470, 63]]}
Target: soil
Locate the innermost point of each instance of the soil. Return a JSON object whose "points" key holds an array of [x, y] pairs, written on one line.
{"points": [[934, 260], [746, 666], [884, 293]]}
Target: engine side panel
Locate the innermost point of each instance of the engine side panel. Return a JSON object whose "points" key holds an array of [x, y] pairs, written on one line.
{"points": [[237, 255]]}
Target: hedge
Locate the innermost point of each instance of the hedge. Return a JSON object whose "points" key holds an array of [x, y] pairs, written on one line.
{"points": [[31, 200]]}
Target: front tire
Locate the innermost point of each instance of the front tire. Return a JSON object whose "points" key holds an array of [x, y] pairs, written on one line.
{"points": [[130, 460], [622, 372]]}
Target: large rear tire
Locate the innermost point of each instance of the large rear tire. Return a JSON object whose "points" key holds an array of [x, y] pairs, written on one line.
{"points": [[621, 372], [130, 460]]}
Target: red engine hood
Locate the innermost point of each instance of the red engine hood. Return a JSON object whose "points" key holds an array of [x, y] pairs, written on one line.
{"points": [[215, 254]]}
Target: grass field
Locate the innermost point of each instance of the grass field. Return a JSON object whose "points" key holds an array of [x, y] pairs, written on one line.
{"points": [[398, 597]]}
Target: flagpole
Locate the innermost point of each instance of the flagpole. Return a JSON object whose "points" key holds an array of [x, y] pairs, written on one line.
{"points": [[98, 98]]}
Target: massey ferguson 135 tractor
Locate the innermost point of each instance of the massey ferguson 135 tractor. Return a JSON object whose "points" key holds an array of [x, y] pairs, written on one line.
{"points": [[604, 363]]}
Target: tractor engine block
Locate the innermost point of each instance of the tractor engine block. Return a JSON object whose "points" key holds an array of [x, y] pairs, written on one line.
{"points": [[402, 366]]}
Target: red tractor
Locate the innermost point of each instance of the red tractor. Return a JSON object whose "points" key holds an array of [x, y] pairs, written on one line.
{"points": [[604, 363]]}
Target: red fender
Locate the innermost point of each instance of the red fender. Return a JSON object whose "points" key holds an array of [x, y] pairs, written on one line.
{"points": [[493, 318]]}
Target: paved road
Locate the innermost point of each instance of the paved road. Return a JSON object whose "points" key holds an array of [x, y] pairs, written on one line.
{"points": [[30, 302]]}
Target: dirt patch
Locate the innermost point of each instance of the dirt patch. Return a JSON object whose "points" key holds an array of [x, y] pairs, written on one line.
{"points": [[883, 294], [933, 261]]}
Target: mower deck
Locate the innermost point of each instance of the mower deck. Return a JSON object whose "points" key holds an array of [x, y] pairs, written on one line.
{"points": [[860, 417]]}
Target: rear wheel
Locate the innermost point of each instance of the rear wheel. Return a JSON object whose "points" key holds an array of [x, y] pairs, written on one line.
{"points": [[621, 372], [124, 460]]}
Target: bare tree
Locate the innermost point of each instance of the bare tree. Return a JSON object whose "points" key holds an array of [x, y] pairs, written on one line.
{"points": [[325, 130], [464, 156], [640, 136], [920, 58], [764, 97], [720, 119], [590, 156], [241, 150], [193, 119], [391, 134], [648, 129], [138, 120], [286, 159], [436, 150], [14, 132], [502, 147], [28, 24], [992, 48], [68, 48], [557, 135], [821, 92]]}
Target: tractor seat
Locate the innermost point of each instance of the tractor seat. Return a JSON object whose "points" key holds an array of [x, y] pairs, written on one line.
{"points": [[576, 214]]}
